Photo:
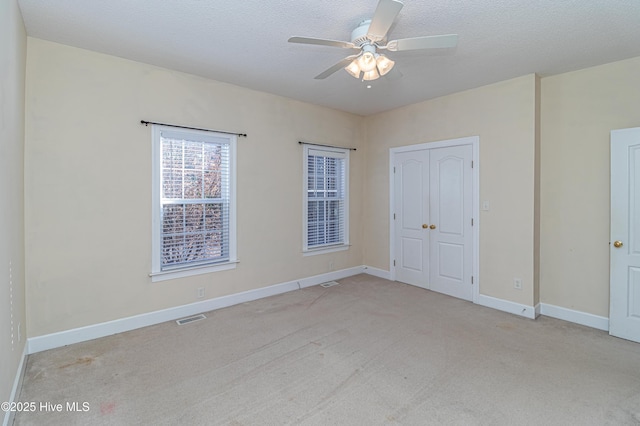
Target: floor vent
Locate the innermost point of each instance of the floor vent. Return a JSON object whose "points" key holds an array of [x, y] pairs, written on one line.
{"points": [[329, 284], [187, 320]]}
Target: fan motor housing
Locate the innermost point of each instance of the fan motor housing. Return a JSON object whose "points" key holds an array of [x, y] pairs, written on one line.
{"points": [[359, 34]]}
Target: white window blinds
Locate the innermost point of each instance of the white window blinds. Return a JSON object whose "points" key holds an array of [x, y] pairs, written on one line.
{"points": [[326, 197], [195, 199]]}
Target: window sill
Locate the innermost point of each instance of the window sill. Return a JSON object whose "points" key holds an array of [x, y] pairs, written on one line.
{"points": [[324, 250], [188, 272]]}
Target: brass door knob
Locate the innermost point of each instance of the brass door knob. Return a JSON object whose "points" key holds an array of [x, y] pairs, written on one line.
{"points": [[425, 226], [432, 227], [617, 244]]}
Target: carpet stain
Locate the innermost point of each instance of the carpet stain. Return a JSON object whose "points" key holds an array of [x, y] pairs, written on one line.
{"points": [[505, 326], [87, 360], [107, 407]]}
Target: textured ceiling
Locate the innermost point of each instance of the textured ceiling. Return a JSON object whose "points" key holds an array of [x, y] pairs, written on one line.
{"points": [[244, 42]]}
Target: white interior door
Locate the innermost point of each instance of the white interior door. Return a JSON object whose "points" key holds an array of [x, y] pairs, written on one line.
{"points": [[432, 210], [451, 248], [624, 311], [411, 193]]}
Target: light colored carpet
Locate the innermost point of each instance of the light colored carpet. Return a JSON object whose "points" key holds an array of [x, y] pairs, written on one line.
{"points": [[365, 352]]}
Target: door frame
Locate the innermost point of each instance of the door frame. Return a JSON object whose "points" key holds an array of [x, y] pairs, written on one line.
{"points": [[474, 141]]}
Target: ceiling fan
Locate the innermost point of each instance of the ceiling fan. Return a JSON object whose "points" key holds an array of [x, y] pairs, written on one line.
{"points": [[371, 36]]}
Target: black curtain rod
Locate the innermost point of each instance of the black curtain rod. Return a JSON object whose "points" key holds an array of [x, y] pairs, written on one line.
{"points": [[326, 146], [146, 123]]}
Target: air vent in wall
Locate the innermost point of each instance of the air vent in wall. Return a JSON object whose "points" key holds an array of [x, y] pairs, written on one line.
{"points": [[329, 284]]}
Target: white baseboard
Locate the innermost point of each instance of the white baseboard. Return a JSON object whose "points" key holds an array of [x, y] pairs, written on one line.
{"points": [[81, 334], [507, 306], [380, 273], [532, 312], [578, 317], [330, 276], [17, 385]]}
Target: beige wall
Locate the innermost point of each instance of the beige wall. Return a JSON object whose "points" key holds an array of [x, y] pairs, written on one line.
{"points": [[543, 167], [579, 109], [88, 184], [13, 44], [503, 115]]}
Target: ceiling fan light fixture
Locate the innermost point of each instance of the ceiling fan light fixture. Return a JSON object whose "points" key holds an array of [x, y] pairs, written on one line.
{"points": [[353, 68], [370, 36], [384, 64], [371, 75], [367, 62]]}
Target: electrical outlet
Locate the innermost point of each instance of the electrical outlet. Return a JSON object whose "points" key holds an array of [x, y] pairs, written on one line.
{"points": [[200, 294], [517, 283]]}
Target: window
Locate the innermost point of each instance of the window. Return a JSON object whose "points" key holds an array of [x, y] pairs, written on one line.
{"points": [[193, 202], [326, 199]]}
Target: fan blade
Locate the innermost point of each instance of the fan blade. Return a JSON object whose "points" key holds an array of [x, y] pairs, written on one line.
{"points": [[343, 63], [323, 42], [426, 42], [383, 18]]}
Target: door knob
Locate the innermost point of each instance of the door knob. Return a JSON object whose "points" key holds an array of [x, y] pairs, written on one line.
{"points": [[432, 227], [425, 226], [617, 244]]}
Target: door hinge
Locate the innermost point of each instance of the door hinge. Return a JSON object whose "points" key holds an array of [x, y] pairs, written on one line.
{"points": [[394, 169], [471, 221], [394, 216], [472, 164], [394, 262], [471, 279]]}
